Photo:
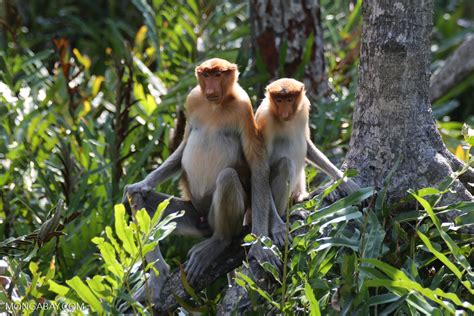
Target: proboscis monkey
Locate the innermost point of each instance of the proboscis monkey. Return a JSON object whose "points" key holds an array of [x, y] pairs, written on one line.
{"points": [[224, 171], [283, 120]]}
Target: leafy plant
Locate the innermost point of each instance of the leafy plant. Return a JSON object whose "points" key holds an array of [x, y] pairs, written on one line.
{"points": [[349, 259], [121, 273]]}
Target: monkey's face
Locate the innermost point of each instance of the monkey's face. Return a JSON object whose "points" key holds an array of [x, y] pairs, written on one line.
{"points": [[284, 106], [214, 84]]}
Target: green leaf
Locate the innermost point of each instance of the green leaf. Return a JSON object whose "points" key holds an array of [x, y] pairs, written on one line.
{"points": [[249, 239], [345, 218], [244, 279], [148, 14], [383, 299], [187, 287], [373, 237], [124, 232], [59, 289], [396, 304], [353, 199], [159, 211], [353, 17], [313, 302], [468, 134], [110, 236], [307, 52], [143, 220], [272, 270], [326, 242], [428, 191], [428, 293], [84, 292], [441, 257], [390, 271], [149, 247], [453, 247]]}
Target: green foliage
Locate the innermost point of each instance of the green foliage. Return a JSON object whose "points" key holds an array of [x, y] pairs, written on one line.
{"points": [[121, 272], [359, 260]]}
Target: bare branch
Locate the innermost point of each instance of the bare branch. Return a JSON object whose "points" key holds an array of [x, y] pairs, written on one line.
{"points": [[458, 66]]}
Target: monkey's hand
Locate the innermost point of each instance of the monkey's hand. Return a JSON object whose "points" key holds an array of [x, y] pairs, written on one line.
{"points": [[263, 254], [130, 190], [348, 186], [301, 197]]}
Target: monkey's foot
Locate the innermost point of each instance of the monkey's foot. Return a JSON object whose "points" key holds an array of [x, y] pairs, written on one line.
{"points": [[263, 254], [202, 254], [348, 186], [278, 234]]}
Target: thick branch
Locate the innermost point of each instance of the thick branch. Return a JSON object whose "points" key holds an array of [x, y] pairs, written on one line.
{"points": [[458, 66], [229, 260]]}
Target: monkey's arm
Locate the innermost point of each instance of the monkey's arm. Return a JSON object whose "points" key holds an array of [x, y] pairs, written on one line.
{"points": [[261, 194], [260, 187], [163, 172], [319, 159], [171, 166]]}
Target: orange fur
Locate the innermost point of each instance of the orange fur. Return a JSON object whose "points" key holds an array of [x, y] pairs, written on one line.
{"points": [[217, 78], [289, 92], [234, 113], [216, 64], [294, 128], [285, 86]]}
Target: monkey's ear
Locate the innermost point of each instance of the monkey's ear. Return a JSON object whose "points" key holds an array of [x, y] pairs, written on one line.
{"points": [[237, 73]]}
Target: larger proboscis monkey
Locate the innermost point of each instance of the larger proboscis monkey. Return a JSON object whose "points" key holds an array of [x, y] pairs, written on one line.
{"points": [[224, 171], [283, 119]]}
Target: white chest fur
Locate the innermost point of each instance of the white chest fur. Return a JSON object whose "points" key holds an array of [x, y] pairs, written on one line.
{"points": [[288, 141], [208, 151]]}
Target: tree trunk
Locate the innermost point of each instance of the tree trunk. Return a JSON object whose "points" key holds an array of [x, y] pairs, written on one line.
{"points": [[292, 23], [393, 120]]}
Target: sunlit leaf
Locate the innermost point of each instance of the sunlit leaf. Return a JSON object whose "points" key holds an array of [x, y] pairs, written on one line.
{"points": [[84, 292], [84, 60], [313, 302]]}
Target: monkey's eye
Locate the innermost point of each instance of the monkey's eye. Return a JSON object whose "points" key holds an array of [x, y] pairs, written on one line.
{"points": [[290, 99], [217, 74], [205, 74], [279, 100]]}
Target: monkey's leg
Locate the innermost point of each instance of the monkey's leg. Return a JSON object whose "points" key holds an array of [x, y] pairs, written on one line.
{"points": [[226, 217], [188, 224], [281, 174]]}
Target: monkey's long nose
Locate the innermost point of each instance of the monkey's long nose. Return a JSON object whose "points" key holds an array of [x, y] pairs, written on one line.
{"points": [[284, 114]]}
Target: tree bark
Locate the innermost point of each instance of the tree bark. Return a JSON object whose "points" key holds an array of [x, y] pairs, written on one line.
{"points": [[276, 23], [393, 120]]}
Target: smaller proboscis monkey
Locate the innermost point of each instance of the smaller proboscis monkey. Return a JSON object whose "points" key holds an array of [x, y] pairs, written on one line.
{"points": [[283, 119], [224, 172]]}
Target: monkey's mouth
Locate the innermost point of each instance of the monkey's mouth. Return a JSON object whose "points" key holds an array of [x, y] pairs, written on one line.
{"points": [[212, 98]]}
